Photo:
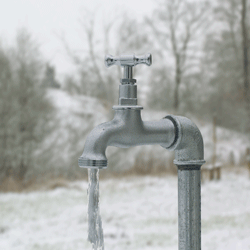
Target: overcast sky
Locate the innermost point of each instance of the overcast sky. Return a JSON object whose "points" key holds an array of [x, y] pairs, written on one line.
{"points": [[46, 18]]}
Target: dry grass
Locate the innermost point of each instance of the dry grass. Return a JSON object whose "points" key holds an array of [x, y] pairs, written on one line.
{"points": [[145, 164], [47, 181], [10, 184], [238, 170], [57, 183]]}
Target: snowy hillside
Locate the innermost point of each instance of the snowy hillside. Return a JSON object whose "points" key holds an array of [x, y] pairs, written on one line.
{"points": [[137, 213], [77, 115]]}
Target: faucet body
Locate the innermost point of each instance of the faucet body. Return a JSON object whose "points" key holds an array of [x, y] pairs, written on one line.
{"points": [[172, 132], [126, 130]]}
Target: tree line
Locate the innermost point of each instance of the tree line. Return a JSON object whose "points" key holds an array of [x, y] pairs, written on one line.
{"points": [[25, 111], [200, 63], [200, 67]]}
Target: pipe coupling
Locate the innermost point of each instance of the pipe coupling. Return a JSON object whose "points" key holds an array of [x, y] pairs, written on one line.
{"points": [[188, 142], [87, 163]]}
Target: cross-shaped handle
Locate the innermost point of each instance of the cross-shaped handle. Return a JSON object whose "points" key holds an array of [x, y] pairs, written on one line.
{"points": [[128, 60]]}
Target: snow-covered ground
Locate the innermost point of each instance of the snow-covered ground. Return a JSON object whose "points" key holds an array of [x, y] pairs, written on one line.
{"points": [[137, 213]]}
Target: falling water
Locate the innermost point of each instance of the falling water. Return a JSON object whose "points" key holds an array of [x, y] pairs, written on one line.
{"points": [[95, 233]]}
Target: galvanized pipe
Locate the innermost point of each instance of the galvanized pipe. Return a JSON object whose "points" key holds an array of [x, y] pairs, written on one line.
{"points": [[175, 133], [189, 207]]}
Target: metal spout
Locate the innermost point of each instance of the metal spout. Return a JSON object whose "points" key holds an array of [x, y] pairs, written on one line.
{"points": [[126, 130]]}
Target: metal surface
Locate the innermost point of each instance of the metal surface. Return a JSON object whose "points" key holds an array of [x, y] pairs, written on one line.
{"points": [[188, 146], [189, 207], [128, 72], [128, 60], [173, 133], [125, 130], [128, 94]]}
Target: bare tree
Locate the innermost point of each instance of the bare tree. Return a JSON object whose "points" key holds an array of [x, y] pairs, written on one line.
{"points": [[223, 63], [132, 36], [245, 45], [176, 24], [93, 81], [245, 48], [26, 111], [228, 13], [88, 25], [5, 112]]}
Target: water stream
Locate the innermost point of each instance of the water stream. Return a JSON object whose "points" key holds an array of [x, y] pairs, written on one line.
{"points": [[95, 232]]}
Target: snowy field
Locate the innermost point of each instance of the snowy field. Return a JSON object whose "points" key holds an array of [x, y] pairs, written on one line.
{"points": [[137, 213]]}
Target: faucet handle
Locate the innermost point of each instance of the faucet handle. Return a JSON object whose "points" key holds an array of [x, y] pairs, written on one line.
{"points": [[128, 60]]}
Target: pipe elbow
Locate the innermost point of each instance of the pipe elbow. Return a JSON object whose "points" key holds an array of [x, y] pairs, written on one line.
{"points": [[188, 143], [95, 146]]}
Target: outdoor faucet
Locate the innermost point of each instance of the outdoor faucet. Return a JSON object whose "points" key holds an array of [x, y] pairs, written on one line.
{"points": [[172, 132]]}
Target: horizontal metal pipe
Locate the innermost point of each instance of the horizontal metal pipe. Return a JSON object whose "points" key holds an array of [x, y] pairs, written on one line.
{"points": [[125, 130]]}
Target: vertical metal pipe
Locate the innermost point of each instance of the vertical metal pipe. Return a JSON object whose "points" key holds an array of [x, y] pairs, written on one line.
{"points": [[189, 207]]}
